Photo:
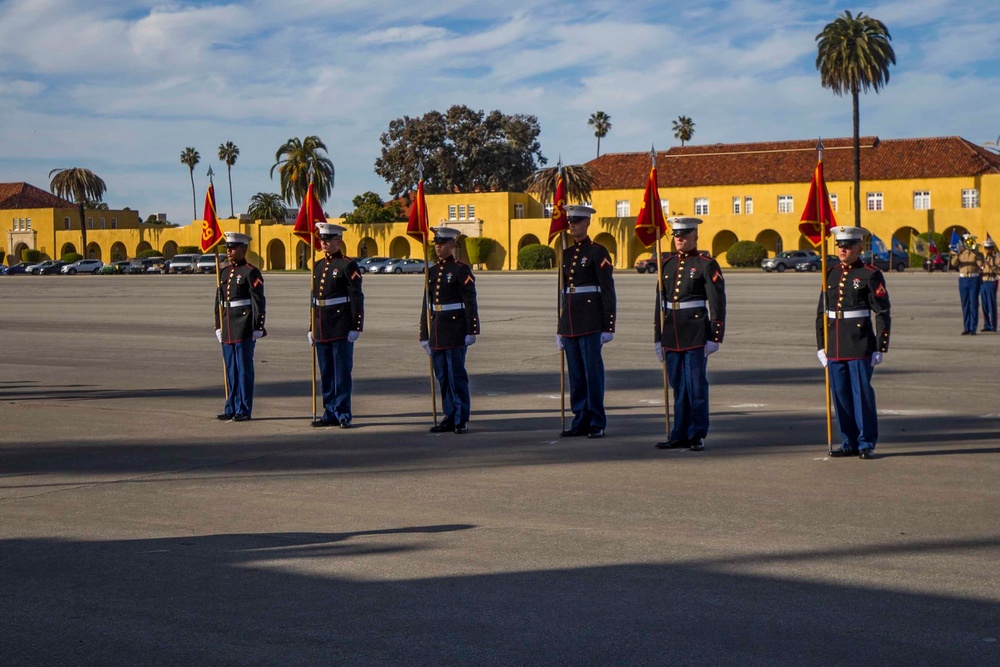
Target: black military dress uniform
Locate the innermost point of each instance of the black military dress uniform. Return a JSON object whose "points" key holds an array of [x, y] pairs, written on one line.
{"points": [[239, 316]]}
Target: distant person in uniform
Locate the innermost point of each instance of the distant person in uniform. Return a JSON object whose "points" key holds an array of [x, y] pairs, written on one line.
{"points": [[988, 291], [239, 323], [338, 315], [586, 323], [454, 325], [969, 263], [854, 291], [694, 323]]}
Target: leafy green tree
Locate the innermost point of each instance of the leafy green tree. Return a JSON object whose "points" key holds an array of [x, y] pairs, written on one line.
{"points": [[478, 249], [369, 208], [601, 122], [578, 180], [853, 54], [292, 160], [460, 149], [267, 206], [683, 129], [191, 157], [228, 152], [78, 185]]}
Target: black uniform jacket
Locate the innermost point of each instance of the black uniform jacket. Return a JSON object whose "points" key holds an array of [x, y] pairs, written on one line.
{"points": [[241, 294], [453, 313], [693, 277], [588, 265], [338, 305], [850, 290]]}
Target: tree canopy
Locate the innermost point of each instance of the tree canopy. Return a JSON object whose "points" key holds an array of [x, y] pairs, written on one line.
{"points": [[292, 160], [683, 129], [369, 208], [601, 122], [460, 149]]}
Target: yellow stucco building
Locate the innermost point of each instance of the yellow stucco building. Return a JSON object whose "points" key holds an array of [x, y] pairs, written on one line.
{"points": [[752, 191]]}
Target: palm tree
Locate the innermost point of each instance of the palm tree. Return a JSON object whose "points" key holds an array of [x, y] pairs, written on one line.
{"points": [[683, 129], [228, 152], [81, 186], [578, 179], [853, 54], [190, 157], [292, 161], [601, 122], [267, 206]]}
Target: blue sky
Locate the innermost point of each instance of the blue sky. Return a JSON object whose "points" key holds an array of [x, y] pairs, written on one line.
{"points": [[123, 86]]}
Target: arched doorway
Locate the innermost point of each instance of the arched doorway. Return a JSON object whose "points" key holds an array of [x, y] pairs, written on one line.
{"points": [[16, 255], [275, 255], [118, 252], [368, 247], [771, 240], [528, 239], [67, 249], [169, 249], [93, 251], [904, 234], [143, 245], [957, 229], [302, 255], [400, 247], [721, 244], [608, 241]]}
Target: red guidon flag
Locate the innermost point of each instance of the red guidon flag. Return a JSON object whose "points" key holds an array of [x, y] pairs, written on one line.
{"points": [[559, 222], [417, 226], [211, 232], [309, 214], [817, 216], [651, 223]]}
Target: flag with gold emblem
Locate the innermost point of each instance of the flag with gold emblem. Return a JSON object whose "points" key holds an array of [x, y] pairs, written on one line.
{"points": [[211, 232], [817, 216], [559, 222], [309, 214], [417, 227], [651, 223]]}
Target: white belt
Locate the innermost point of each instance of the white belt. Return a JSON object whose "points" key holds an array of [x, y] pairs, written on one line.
{"points": [[971, 275], [846, 314], [239, 302], [448, 306], [683, 305], [330, 302], [583, 289]]}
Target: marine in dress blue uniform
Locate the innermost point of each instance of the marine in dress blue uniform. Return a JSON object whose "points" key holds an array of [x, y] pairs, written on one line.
{"points": [[988, 291], [239, 323], [453, 327], [338, 316], [586, 323], [854, 291], [693, 320], [969, 263]]}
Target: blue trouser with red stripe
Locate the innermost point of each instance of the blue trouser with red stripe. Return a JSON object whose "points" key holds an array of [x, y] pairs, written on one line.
{"points": [[688, 374], [968, 289], [988, 292], [239, 375], [854, 398]]}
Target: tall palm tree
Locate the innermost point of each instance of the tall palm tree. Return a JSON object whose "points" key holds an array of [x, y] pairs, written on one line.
{"points": [[228, 152], [853, 54], [81, 186], [267, 206], [292, 161], [601, 122], [578, 179], [190, 157], [683, 129]]}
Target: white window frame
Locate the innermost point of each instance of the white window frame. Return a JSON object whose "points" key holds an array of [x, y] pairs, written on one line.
{"points": [[90, 223], [66, 223], [518, 210], [737, 205], [547, 209], [701, 206], [103, 223], [114, 223], [921, 200], [786, 204], [28, 225], [874, 202], [665, 205], [472, 211], [970, 198], [452, 212], [461, 212], [748, 206], [623, 208], [833, 202]]}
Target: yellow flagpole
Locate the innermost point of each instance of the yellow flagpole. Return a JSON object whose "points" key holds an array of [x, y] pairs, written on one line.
{"points": [[560, 283], [218, 290], [311, 265], [427, 314], [663, 319], [826, 318]]}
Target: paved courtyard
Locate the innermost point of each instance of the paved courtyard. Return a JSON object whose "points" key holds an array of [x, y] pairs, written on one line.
{"points": [[137, 529]]}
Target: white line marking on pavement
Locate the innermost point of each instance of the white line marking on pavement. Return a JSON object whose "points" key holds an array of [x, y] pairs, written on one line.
{"points": [[749, 405]]}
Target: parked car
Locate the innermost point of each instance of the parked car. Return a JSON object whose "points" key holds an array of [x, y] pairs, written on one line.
{"points": [[35, 268], [51, 269], [22, 267], [647, 265], [897, 261], [935, 263], [402, 266], [376, 264], [185, 264], [206, 263], [147, 265], [158, 265], [83, 266], [815, 263], [365, 264], [787, 260]]}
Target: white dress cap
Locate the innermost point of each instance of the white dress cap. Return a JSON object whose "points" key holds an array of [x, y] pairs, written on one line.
{"points": [[236, 237]]}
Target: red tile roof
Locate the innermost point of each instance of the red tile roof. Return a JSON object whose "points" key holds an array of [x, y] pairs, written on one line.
{"points": [[794, 162], [23, 195]]}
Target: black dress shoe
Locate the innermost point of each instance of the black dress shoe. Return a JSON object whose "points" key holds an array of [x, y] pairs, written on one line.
{"points": [[673, 444], [596, 433], [223, 417], [697, 445], [462, 428], [443, 427], [345, 423], [966, 333], [868, 453], [840, 452], [241, 418], [573, 432], [321, 422]]}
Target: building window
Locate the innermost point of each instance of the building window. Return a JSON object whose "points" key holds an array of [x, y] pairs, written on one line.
{"points": [[921, 200], [452, 212], [874, 201], [665, 205], [90, 223], [701, 206], [472, 211], [114, 223], [66, 222], [786, 204], [20, 224], [461, 212], [748, 205], [28, 225], [622, 208], [737, 205], [103, 224], [548, 210], [518, 211], [970, 198], [833, 202]]}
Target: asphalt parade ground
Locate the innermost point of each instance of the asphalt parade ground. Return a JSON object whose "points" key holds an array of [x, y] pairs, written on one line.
{"points": [[136, 529]]}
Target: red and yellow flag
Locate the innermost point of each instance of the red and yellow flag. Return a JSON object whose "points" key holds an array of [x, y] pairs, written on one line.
{"points": [[309, 214], [559, 222], [817, 216], [211, 232], [651, 223], [417, 226]]}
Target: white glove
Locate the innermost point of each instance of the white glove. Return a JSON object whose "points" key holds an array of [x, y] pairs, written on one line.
{"points": [[659, 351], [309, 337], [559, 342], [470, 340], [257, 335], [607, 337], [426, 344], [353, 336], [821, 355], [218, 334], [711, 347], [876, 358]]}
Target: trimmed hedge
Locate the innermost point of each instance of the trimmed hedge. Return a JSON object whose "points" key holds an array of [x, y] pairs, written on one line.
{"points": [[186, 250], [535, 257], [478, 248], [31, 255], [746, 254], [146, 254], [71, 257]]}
